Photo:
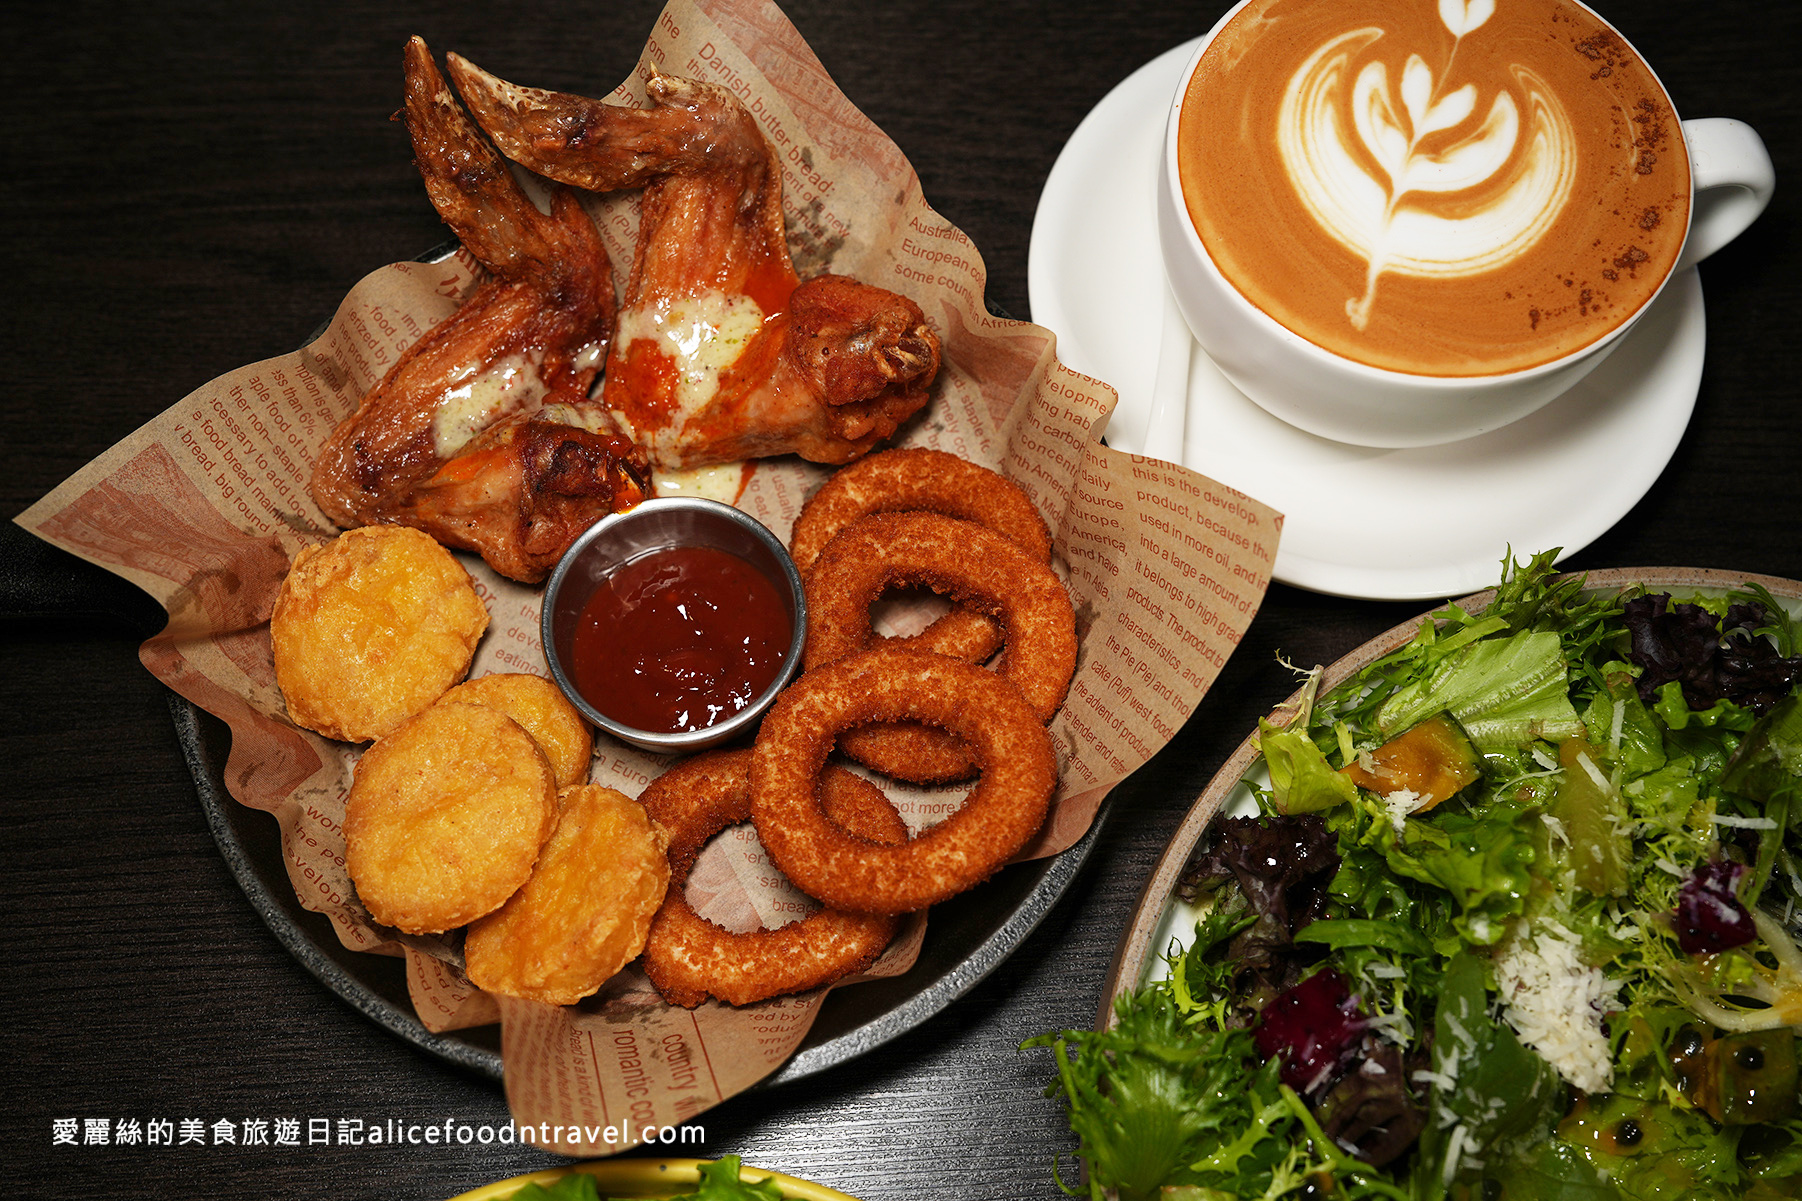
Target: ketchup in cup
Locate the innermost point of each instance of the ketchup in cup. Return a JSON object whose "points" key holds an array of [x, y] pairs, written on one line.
{"points": [[679, 639]]}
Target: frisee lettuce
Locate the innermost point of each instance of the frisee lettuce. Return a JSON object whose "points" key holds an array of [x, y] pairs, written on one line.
{"points": [[1154, 1094]]}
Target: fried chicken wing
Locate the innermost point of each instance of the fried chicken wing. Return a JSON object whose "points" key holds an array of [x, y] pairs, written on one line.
{"points": [[722, 354], [526, 488], [483, 434]]}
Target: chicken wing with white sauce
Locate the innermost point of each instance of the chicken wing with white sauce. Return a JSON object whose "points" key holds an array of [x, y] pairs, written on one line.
{"points": [[483, 434], [722, 354]]}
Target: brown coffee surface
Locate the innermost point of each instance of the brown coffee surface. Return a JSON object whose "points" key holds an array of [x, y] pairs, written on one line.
{"points": [[1431, 186]]}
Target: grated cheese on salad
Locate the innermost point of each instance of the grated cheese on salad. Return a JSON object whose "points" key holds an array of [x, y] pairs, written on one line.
{"points": [[1401, 803], [1555, 1002], [1556, 827], [1743, 823]]}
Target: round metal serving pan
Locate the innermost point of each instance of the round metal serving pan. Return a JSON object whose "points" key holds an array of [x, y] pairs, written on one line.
{"points": [[1142, 944], [967, 937]]}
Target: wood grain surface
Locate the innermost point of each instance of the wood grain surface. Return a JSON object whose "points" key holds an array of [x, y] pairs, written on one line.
{"points": [[194, 186]]}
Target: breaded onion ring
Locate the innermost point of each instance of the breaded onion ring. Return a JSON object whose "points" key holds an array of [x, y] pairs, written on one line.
{"points": [[976, 567], [1003, 811], [892, 481], [933, 481], [690, 958]]}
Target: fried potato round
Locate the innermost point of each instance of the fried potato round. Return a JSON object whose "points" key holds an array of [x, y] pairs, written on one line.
{"points": [[446, 817], [540, 706], [586, 910], [690, 958], [371, 628]]}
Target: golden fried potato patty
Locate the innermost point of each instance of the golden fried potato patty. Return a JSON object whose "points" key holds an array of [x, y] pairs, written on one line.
{"points": [[371, 628], [446, 817], [540, 706], [587, 909]]}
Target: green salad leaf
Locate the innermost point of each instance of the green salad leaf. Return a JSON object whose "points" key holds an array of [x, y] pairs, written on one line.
{"points": [[1301, 779], [1503, 691], [1152, 1095], [576, 1186], [1483, 861], [1491, 1096], [1363, 932]]}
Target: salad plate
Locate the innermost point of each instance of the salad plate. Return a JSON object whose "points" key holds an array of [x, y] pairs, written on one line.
{"points": [[1418, 524], [1162, 919], [1665, 973]]}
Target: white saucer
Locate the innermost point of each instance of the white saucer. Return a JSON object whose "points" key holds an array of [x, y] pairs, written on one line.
{"points": [[1378, 524]]}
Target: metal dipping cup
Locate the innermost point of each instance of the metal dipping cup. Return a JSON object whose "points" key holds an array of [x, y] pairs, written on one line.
{"points": [[659, 525]]}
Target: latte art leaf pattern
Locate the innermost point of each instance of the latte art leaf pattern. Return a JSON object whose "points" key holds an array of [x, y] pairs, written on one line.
{"points": [[1464, 165], [1461, 18], [1411, 179]]}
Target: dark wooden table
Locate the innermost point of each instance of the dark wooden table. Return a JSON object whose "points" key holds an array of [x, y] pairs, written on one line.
{"points": [[194, 186]]}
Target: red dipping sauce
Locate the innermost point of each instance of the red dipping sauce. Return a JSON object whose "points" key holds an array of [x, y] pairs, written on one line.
{"points": [[679, 639]]}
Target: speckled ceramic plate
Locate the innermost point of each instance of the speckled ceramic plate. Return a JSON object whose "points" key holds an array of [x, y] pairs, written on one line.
{"points": [[1162, 918]]}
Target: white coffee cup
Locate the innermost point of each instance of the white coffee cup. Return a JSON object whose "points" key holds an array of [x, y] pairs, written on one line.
{"points": [[1327, 394]]}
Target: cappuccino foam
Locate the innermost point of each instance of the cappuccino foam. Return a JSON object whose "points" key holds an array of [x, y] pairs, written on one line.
{"points": [[1434, 186]]}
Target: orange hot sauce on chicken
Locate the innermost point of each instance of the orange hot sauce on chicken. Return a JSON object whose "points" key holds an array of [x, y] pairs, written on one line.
{"points": [[722, 353]]}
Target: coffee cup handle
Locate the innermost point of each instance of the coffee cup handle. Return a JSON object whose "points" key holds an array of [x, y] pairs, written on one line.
{"points": [[1733, 178]]}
